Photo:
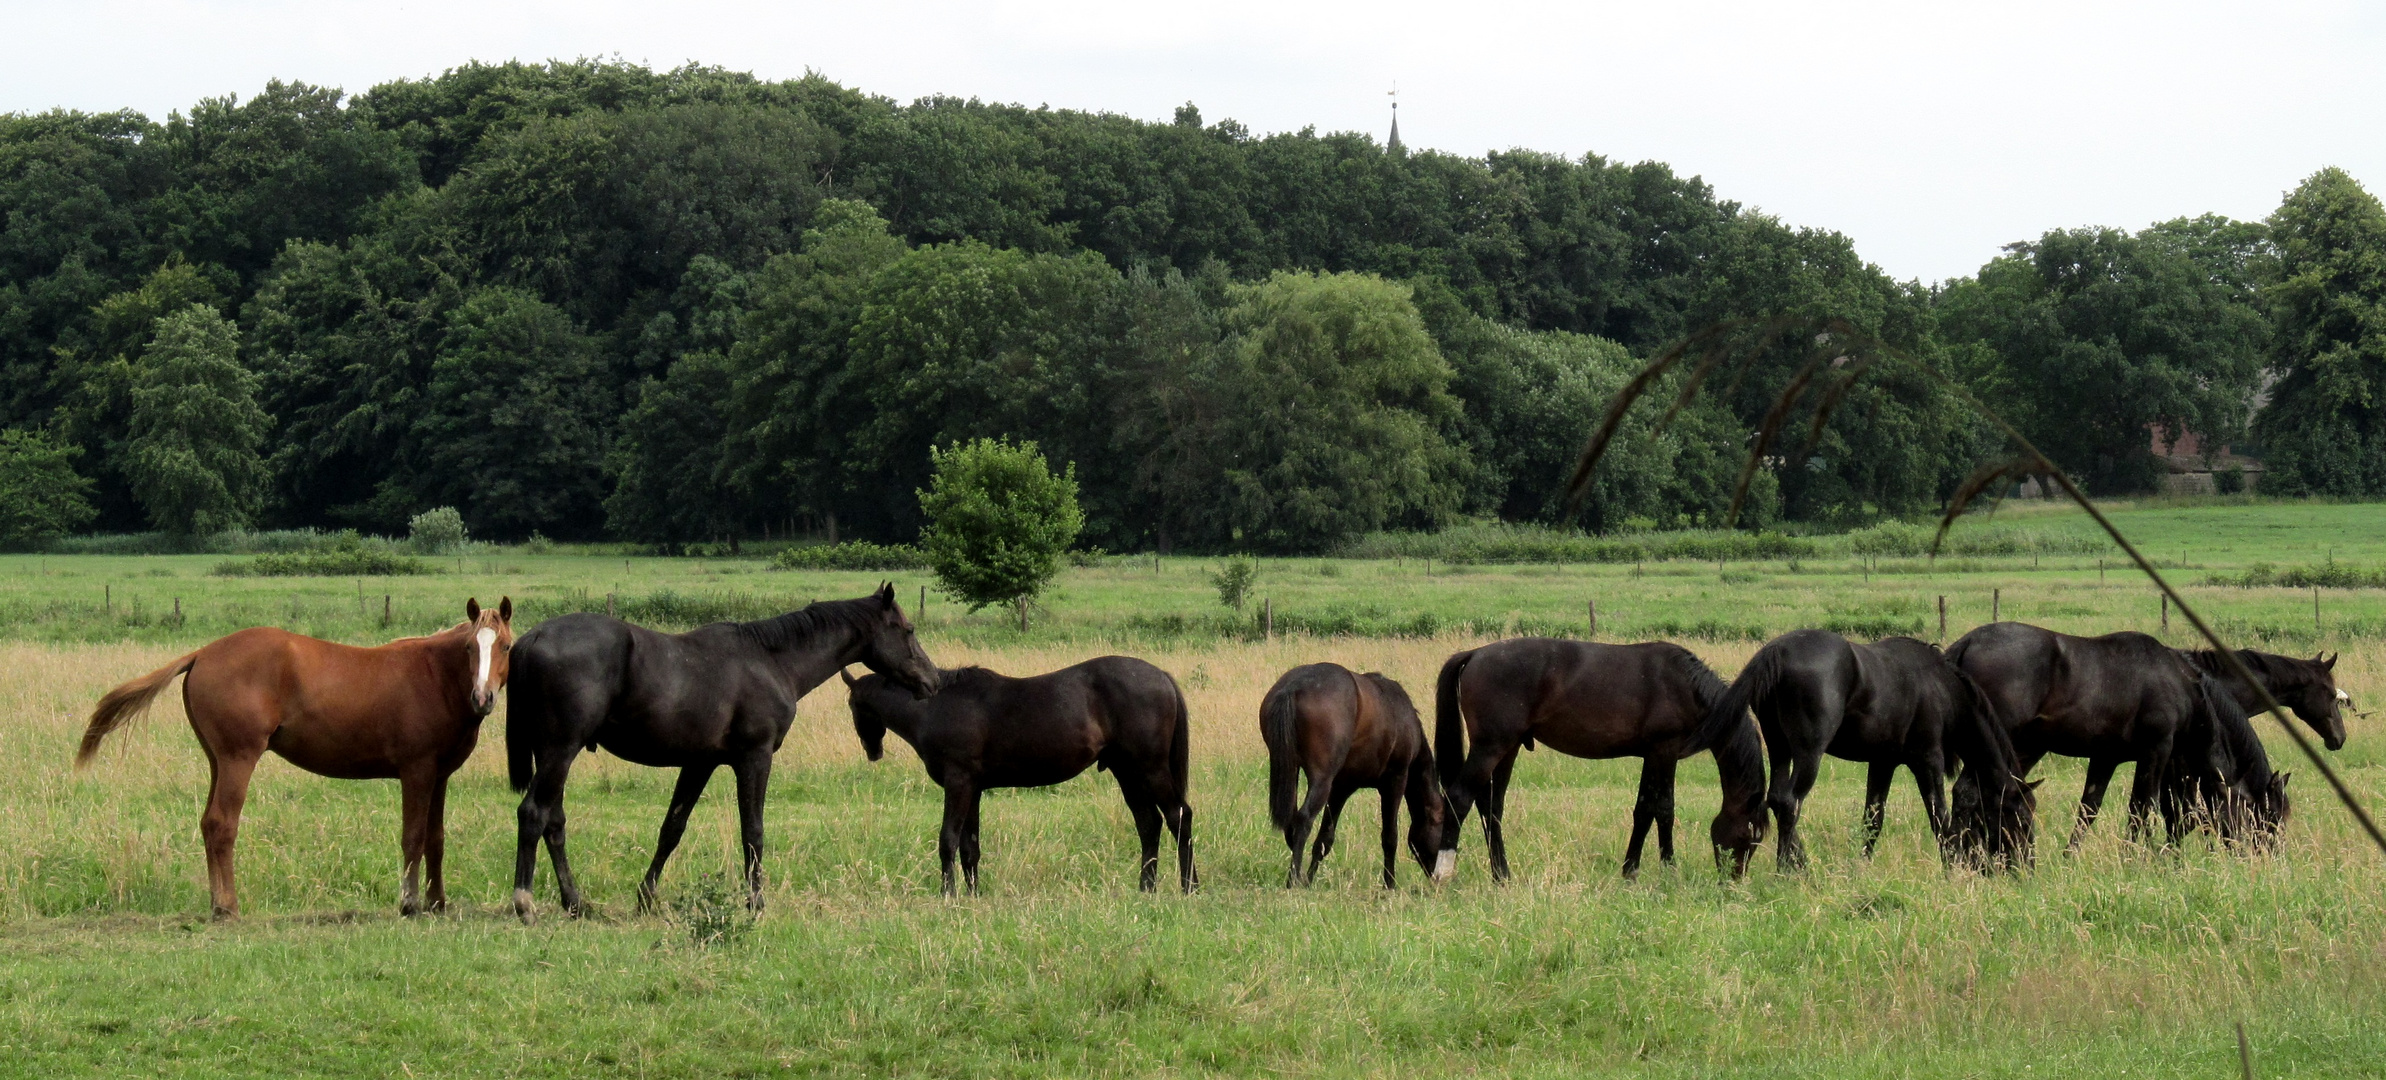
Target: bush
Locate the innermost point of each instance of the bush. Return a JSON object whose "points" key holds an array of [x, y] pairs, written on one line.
{"points": [[2326, 576], [349, 556], [438, 531], [1234, 581], [1501, 543], [851, 555], [999, 520]]}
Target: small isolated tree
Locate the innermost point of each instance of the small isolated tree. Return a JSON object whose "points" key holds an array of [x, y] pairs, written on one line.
{"points": [[1234, 582], [196, 427], [41, 497], [998, 521], [437, 531]]}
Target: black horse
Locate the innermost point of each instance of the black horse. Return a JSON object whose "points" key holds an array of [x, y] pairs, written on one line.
{"points": [[1347, 732], [2219, 776], [2306, 686], [983, 730], [1894, 702], [717, 695], [1653, 700], [2122, 697]]}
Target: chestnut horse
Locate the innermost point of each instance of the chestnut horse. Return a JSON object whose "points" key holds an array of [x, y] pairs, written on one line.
{"points": [[1346, 732], [409, 710]]}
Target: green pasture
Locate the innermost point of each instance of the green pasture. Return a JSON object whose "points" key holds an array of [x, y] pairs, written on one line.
{"points": [[2118, 961]]}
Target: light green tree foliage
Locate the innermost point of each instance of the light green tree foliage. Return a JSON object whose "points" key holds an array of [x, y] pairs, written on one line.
{"points": [[437, 531], [2325, 427], [1329, 402], [998, 521], [41, 497], [2098, 334], [510, 432], [195, 427]]}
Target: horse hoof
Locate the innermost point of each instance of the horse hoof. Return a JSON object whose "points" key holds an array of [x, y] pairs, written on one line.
{"points": [[526, 907], [1445, 865]]}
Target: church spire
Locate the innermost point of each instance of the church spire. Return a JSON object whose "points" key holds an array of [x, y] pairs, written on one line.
{"points": [[1392, 145]]}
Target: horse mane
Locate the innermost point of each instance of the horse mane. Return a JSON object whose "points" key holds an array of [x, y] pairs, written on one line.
{"points": [[1706, 687], [1740, 753], [813, 619], [967, 677]]}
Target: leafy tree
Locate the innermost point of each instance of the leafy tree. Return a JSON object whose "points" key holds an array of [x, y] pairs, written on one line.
{"points": [[669, 488], [97, 366], [2100, 335], [2324, 430], [41, 497], [196, 428], [437, 531], [511, 428], [998, 522]]}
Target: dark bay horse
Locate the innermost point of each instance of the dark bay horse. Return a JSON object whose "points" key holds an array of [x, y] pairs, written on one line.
{"points": [[984, 730], [409, 710], [1894, 702], [1347, 731], [1654, 701], [2306, 686], [2220, 777], [2118, 698], [717, 695]]}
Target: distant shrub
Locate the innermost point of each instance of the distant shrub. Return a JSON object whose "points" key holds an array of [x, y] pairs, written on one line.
{"points": [[437, 531], [851, 555], [1911, 540], [2326, 576], [1873, 626], [1505, 544], [1234, 581], [348, 556]]}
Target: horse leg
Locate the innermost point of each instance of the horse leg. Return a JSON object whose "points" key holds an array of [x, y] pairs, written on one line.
{"points": [[957, 797], [219, 825], [1931, 778], [684, 794], [1494, 810], [1788, 797], [541, 817], [1321, 788], [1877, 777], [1325, 830], [2144, 785], [2091, 798], [414, 817], [1187, 878], [435, 848], [1146, 809], [1388, 793], [1655, 806], [1473, 783], [969, 842]]}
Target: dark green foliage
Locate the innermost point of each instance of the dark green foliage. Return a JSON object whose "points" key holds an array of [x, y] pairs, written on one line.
{"points": [[668, 485], [2325, 428], [998, 521], [851, 555], [41, 497], [2326, 576], [346, 556]]}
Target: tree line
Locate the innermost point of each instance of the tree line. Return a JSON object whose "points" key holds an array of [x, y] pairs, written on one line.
{"points": [[592, 299]]}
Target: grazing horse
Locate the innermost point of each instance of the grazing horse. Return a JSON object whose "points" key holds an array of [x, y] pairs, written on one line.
{"points": [[409, 710], [1653, 700], [983, 730], [722, 694], [2219, 776], [2306, 686], [2122, 697], [1347, 731], [1894, 702]]}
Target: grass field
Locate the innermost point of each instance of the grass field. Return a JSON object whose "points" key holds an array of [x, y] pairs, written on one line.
{"points": [[2118, 961]]}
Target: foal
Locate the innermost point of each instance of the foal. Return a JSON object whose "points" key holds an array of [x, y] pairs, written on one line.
{"points": [[982, 730], [410, 709], [1347, 731]]}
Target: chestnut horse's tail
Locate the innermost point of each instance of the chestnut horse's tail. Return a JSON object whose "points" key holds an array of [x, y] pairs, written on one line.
{"points": [[1277, 714], [126, 703], [1449, 728]]}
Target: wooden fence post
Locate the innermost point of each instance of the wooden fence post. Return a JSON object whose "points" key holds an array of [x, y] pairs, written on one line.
{"points": [[1996, 605], [2166, 613], [1942, 618], [1593, 607], [384, 609], [1267, 617]]}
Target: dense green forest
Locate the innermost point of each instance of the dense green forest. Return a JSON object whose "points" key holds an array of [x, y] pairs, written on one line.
{"points": [[591, 299]]}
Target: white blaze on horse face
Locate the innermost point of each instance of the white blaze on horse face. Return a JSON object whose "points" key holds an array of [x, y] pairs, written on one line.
{"points": [[1445, 865], [2343, 698], [487, 639]]}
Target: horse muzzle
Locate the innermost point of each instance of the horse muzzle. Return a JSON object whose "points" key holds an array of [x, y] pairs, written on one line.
{"points": [[483, 702]]}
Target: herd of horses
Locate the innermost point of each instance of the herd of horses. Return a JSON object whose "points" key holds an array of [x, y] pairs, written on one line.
{"points": [[1985, 710]]}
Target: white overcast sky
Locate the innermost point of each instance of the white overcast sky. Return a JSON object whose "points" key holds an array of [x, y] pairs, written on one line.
{"points": [[1930, 133]]}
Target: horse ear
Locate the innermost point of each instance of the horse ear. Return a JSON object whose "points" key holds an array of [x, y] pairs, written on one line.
{"points": [[505, 609], [2283, 777], [2032, 785], [847, 676], [886, 592], [472, 609], [2330, 663]]}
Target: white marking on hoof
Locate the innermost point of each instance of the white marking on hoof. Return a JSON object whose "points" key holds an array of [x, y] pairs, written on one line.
{"points": [[525, 906], [1445, 865]]}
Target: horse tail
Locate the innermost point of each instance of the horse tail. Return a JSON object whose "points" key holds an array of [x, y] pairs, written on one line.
{"points": [[1180, 749], [126, 703], [1449, 728], [525, 709], [1730, 708], [1277, 715]]}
